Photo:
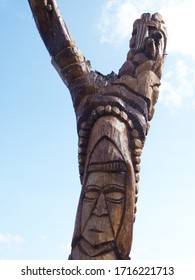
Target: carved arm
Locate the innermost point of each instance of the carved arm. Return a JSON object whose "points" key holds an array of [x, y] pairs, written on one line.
{"points": [[66, 57]]}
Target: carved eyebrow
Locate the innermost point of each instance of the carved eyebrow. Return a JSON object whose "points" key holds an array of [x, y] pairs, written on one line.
{"points": [[92, 188], [113, 187]]}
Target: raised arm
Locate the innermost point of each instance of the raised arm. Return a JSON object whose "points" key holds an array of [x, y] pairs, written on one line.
{"points": [[66, 57]]}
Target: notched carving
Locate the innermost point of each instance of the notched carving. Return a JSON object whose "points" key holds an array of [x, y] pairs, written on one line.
{"points": [[113, 113]]}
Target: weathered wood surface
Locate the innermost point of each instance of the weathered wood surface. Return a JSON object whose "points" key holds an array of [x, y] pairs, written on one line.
{"points": [[113, 114]]}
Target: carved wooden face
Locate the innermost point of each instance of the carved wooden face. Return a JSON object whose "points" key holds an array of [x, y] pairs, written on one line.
{"points": [[103, 206]]}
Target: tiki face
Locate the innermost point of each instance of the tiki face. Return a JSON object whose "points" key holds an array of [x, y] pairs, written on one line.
{"points": [[103, 206], [105, 213]]}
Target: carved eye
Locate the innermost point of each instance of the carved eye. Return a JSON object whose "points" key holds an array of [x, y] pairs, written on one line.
{"points": [[115, 196], [91, 195]]}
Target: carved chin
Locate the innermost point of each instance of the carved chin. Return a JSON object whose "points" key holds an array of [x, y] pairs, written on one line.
{"points": [[98, 230]]}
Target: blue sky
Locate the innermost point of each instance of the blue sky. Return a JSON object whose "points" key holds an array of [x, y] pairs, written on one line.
{"points": [[39, 181]]}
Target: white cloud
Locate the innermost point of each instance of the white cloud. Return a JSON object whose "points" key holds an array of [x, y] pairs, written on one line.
{"points": [[178, 84], [179, 19], [117, 18], [9, 238], [141, 252], [115, 27], [66, 248], [115, 21], [44, 237]]}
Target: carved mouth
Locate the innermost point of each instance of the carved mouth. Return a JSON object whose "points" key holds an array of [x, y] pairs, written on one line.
{"points": [[95, 230]]}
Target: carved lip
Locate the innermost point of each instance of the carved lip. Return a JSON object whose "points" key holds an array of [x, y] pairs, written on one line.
{"points": [[95, 230]]}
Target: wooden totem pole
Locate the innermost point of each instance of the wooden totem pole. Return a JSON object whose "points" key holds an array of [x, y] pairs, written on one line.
{"points": [[113, 114]]}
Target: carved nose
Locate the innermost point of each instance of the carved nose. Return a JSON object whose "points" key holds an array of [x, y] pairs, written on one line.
{"points": [[101, 207]]}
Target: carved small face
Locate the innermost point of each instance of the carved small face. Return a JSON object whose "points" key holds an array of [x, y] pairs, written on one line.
{"points": [[103, 206]]}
